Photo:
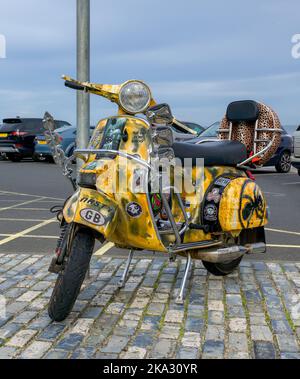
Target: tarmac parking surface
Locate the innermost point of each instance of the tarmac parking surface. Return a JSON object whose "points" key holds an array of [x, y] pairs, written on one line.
{"points": [[28, 190]]}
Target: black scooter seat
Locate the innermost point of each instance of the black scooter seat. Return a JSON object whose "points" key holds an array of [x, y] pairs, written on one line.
{"points": [[215, 153]]}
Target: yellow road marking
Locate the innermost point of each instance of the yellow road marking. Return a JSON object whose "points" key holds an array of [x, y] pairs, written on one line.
{"points": [[27, 231], [17, 205], [104, 249], [282, 231], [285, 246]]}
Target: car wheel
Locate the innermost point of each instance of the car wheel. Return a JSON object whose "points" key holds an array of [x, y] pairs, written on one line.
{"points": [[38, 158], [284, 164], [14, 158]]}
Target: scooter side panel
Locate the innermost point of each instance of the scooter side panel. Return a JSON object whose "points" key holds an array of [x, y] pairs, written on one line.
{"points": [[194, 201], [243, 206]]}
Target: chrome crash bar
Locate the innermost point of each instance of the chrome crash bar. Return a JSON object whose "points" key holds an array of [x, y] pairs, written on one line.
{"points": [[105, 152]]}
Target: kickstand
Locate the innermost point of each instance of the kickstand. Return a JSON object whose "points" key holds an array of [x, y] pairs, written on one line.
{"points": [[122, 282], [179, 299]]}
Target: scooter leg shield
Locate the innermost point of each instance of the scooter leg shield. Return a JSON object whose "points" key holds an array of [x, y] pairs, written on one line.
{"points": [[92, 209]]}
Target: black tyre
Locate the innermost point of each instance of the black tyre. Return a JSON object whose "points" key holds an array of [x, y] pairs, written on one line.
{"points": [[247, 236], [38, 158], [222, 269], [14, 158], [70, 280], [284, 163]]}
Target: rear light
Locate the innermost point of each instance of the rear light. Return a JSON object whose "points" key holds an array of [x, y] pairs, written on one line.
{"points": [[18, 145], [18, 134]]}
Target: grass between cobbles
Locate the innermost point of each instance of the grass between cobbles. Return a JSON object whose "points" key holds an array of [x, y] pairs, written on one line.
{"points": [[247, 314], [267, 316]]}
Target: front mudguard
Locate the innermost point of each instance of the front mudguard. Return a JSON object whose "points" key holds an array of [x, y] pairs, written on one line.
{"points": [[92, 209]]}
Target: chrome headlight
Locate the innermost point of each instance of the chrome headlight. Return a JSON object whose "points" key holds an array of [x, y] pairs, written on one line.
{"points": [[135, 97]]}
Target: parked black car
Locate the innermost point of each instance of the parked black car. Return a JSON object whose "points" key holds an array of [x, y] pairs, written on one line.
{"points": [[17, 136], [282, 158]]}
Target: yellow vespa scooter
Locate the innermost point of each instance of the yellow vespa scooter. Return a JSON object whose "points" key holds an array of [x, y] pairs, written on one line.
{"points": [[131, 190]]}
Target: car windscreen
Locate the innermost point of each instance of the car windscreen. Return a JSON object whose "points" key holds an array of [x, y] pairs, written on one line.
{"points": [[211, 131]]}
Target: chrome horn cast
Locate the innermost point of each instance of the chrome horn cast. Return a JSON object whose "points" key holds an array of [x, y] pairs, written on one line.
{"points": [[59, 155]]}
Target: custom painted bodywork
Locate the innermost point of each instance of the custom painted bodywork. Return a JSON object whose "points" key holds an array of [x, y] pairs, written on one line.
{"points": [[240, 203]]}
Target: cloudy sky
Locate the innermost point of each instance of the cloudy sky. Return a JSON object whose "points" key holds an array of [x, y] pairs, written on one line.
{"points": [[197, 55]]}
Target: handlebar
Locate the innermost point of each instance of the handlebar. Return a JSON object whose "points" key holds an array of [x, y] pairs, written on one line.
{"points": [[75, 86]]}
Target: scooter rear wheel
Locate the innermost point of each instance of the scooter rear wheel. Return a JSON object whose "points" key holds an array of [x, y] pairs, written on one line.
{"points": [[222, 269], [70, 280], [246, 236]]}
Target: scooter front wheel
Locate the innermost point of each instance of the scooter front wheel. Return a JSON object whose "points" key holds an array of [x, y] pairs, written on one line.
{"points": [[70, 280]]}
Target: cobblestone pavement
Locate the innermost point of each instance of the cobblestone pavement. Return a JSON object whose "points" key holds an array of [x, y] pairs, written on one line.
{"points": [[254, 313]]}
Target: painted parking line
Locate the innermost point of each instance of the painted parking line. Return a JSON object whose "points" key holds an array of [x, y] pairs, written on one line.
{"points": [[290, 184], [259, 174], [21, 219], [285, 246], [17, 205], [104, 249], [27, 231], [277, 194], [31, 236], [29, 195], [31, 209], [282, 231]]}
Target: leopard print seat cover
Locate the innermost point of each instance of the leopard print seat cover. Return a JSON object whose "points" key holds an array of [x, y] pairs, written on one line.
{"points": [[244, 132]]}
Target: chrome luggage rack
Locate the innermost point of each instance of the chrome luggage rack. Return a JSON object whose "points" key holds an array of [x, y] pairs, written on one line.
{"points": [[256, 154]]}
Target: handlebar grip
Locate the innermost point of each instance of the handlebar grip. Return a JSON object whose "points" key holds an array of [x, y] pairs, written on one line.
{"points": [[75, 86]]}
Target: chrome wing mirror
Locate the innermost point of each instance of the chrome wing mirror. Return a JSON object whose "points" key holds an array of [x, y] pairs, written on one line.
{"points": [[160, 114], [54, 143]]}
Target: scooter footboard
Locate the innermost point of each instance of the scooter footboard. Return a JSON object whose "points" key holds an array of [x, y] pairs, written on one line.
{"points": [[92, 209], [234, 204]]}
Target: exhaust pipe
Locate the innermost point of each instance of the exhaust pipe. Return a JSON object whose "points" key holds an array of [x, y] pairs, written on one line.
{"points": [[231, 253]]}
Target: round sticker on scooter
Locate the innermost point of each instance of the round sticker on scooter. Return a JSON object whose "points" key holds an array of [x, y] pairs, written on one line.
{"points": [[134, 210], [211, 213], [92, 217]]}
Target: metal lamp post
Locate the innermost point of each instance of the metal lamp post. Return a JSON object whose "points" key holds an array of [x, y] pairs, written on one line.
{"points": [[83, 74]]}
